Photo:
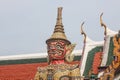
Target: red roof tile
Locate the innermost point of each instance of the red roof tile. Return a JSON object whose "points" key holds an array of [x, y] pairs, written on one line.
{"points": [[19, 71], [96, 62]]}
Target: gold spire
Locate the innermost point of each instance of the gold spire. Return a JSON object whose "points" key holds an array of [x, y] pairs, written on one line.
{"points": [[59, 18], [59, 30]]}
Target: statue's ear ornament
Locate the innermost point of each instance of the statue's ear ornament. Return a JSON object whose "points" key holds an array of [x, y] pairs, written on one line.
{"points": [[69, 57]]}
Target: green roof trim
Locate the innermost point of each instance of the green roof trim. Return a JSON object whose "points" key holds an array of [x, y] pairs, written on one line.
{"points": [[89, 60], [32, 60], [77, 58], [110, 52], [23, 61]]}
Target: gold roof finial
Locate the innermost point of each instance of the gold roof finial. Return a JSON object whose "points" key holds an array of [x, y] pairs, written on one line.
{"points": [[103, 24], [82, 32], [59, 30]]}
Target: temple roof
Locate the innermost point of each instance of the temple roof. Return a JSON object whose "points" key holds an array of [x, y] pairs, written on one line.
{"points": [[90, 46], [22, 67]]}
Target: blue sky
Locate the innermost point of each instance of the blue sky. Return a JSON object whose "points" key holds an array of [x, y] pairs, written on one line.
{"points": [[25, 25]]}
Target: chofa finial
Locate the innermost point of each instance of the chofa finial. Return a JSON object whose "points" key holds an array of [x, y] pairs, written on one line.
{"points": [[103, 24], [82, 32]]}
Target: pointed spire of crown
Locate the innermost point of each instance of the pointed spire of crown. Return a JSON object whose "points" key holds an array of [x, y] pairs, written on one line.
{"points": [[59, 20], [59, 30]]}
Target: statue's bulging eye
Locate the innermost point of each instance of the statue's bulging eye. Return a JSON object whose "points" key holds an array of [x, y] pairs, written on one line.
{"points": [[58, 47]]}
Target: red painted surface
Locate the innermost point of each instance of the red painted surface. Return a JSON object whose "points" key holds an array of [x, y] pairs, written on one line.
{"points": [[57, 61], [19, 71], [96, 62]]}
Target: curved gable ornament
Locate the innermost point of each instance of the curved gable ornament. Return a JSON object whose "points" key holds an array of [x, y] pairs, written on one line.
{"points": [[103, 24], [107, 31], [86, 38], [82, 32]]}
